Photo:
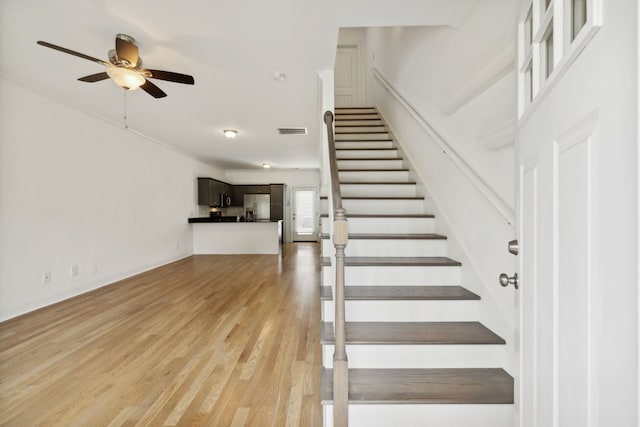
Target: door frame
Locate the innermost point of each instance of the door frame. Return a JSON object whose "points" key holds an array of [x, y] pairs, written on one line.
{"points": [[316, 218]]}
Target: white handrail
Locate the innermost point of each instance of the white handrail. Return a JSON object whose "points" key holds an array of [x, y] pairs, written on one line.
{"points": [[484, 188]]}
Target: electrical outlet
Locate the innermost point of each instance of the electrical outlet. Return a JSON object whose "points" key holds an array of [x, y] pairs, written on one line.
{"points": [[74, 270], [46, 277]]}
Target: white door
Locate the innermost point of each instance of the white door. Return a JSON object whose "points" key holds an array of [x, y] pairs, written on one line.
{"points": [[305, 218], [348, 77], [577, 154]]}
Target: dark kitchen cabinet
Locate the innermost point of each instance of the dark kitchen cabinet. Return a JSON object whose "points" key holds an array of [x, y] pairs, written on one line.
{"points": [[238, 195], [210, 191], [277, 201]]}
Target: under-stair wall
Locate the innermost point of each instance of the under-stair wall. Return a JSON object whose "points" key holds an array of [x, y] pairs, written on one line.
{"points": [[478, 232]]}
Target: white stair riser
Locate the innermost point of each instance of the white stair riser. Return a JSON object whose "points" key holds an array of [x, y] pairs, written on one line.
{"points": [[365, 144], [348, 116], [370, 164], [366, 128], [386, 225], [374, 176], [419, 356], [366, 154], [404, 311], [354, 110], [412, 275], [382, 247], [425, 415], [382, 206], [361, 136], [378, 190], [343, 122]]}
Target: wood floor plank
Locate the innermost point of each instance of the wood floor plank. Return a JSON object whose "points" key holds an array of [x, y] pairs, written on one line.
{"points": [[208, 340]]}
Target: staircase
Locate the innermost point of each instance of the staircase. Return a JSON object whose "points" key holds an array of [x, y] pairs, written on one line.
{"points": [[417, 355]]}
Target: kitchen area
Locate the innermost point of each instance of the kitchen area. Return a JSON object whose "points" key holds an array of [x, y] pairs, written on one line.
{"points": [[238, 219]]}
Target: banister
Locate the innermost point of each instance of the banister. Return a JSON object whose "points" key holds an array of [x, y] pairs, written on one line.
{"points": [[480, 184], [340, 240]]}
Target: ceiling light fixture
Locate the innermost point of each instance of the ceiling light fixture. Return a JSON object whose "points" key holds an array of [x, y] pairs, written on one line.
{"points": [[266, 165], [126, 78], [230, 133]]}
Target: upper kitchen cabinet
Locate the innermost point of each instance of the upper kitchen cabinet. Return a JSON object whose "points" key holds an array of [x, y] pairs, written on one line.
{"points": [[210, 192], [277, 201]]}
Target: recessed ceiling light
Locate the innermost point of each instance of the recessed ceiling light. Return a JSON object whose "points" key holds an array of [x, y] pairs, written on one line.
{"points": [[278, 76], [230, 133], [266, 165]]}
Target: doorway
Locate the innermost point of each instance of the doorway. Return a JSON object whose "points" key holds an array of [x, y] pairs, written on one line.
{"points": [[348, 77], [304, 214]]}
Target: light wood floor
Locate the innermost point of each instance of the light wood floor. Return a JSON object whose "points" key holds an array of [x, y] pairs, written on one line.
{"points": [[205, 341]]}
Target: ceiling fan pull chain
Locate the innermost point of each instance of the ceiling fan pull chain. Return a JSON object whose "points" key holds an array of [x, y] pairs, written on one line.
{"points": [[126, 126]]}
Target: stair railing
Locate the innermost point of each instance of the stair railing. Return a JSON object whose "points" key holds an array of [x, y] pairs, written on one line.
{"points": [[340, 240]]}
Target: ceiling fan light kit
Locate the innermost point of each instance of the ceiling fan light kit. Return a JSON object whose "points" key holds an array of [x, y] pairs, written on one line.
{"points": [[126, 78], [125, 68]]}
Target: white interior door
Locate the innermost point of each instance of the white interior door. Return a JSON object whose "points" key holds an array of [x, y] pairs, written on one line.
{"points": [[348, 77], [576, 359], [304, 215]]}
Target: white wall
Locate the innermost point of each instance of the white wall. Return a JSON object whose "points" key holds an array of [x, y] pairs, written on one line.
{"points": [[76, 190], [427, 67]]}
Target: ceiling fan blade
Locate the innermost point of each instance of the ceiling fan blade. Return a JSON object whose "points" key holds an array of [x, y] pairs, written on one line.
{"points": [[73, 52], [153, 90], [127, 50], [169, 76], [94, 77]]}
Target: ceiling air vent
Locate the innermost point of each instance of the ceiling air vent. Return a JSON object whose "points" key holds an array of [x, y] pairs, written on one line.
{"points": [[292, 131]]}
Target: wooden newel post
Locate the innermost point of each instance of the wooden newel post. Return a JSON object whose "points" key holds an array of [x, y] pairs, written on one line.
{"points": [[340, 362]]}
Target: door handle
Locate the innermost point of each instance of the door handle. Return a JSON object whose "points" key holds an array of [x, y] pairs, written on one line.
{"points": [[505, 280]]}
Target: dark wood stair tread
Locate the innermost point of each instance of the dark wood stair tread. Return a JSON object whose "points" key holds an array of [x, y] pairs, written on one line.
{"points": [[363, 159], [377, 183], [402, 293], [362, 140], [378, 198], [373, 170], [363, 132], [383, 215], [367, 149], [423, 261], [428, 261], [368, 125], [412, 333], [392, 236], [424, 386]]}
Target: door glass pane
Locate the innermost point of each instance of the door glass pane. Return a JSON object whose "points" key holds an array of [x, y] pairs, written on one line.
{"points": [[578, 16], [548, 46], [304, 206], [528, 29]]}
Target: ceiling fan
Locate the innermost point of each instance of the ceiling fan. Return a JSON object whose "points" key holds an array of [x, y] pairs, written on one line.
{"points": [[125, 68]]}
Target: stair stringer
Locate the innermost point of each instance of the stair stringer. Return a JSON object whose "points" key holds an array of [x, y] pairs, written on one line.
{"points": [[493, 313]]}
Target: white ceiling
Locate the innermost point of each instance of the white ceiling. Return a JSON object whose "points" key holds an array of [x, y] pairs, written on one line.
{"points": [[231, 47]]}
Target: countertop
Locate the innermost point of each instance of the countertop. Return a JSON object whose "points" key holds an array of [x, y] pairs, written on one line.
{"points": [[214, 220]]}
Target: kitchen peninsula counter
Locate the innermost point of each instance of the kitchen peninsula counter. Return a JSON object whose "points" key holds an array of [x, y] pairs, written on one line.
{"points": [[211, 236]]}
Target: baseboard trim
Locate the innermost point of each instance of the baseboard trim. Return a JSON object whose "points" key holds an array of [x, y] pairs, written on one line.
{"points": [[41, 301]]}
